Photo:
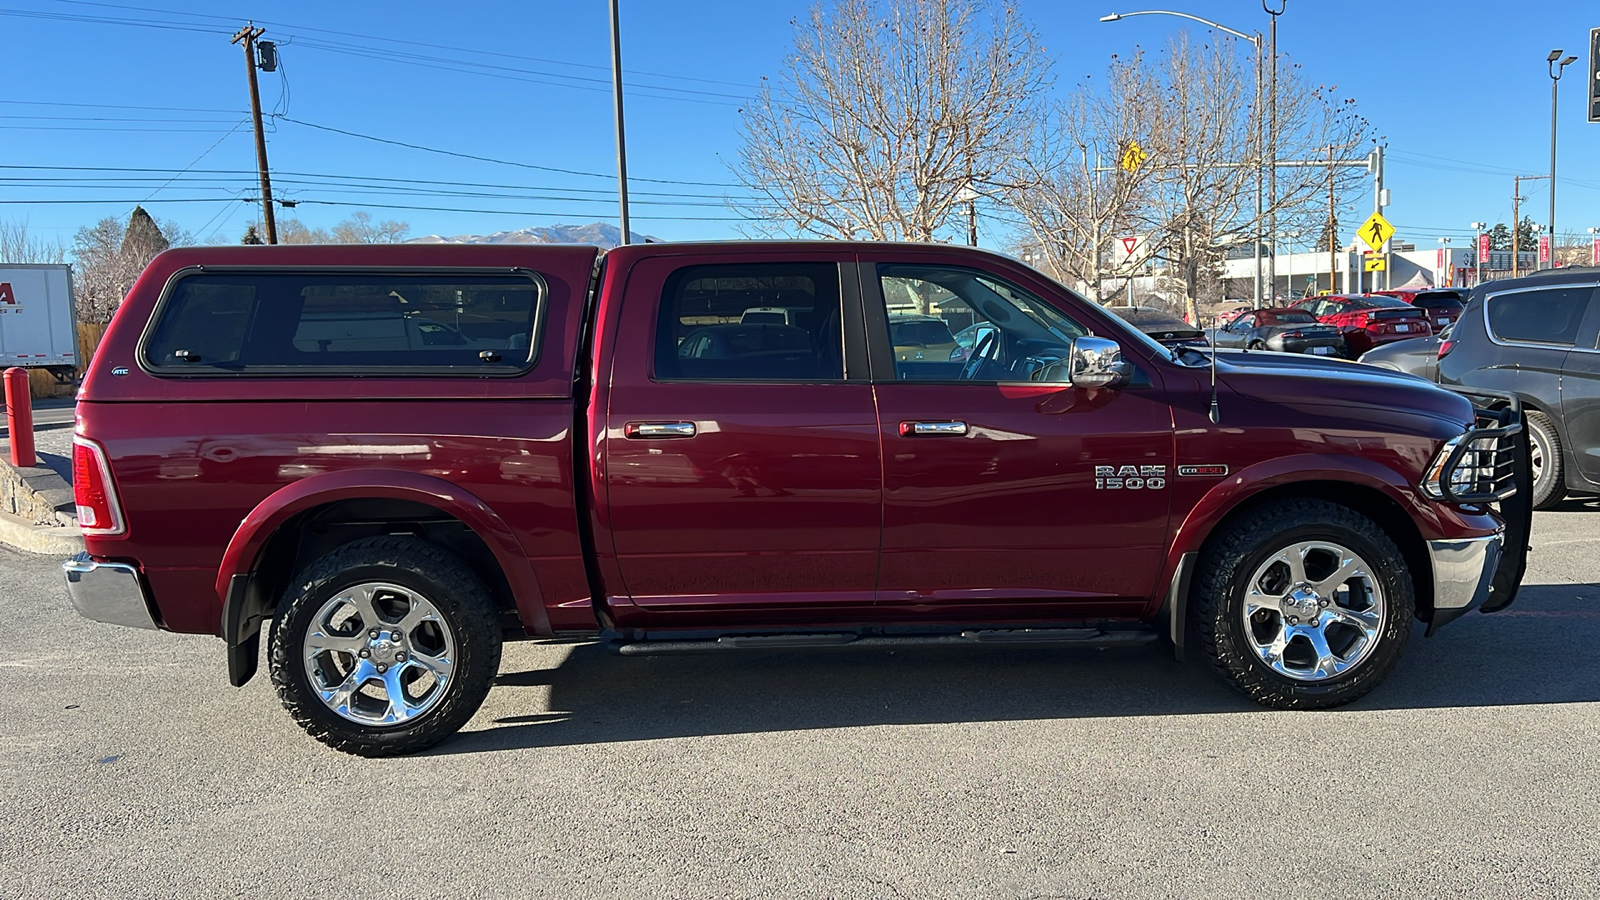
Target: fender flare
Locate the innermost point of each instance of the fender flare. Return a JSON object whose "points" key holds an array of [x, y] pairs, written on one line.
{"points": [[244, 549], [1238, 487]]}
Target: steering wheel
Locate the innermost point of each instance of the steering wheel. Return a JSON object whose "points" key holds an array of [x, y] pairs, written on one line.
{"points": [[987, 345]]}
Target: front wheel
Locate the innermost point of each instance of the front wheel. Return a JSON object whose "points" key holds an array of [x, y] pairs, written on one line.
{"points": [[1303, 604], [385, 646]]}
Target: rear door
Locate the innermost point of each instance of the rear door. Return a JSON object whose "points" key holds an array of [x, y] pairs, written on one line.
{"points": [[1007, 498], [1580, 373], [741, 462]]}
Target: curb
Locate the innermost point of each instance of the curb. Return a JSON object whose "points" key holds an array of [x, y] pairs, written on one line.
{"points": [[43, 539]]}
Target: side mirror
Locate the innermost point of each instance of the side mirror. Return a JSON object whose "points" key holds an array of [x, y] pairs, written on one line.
{"points": [[1095, 362]]}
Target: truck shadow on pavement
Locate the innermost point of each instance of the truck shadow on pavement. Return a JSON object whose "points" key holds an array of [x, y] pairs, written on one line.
{"points": [[1545, 649]]}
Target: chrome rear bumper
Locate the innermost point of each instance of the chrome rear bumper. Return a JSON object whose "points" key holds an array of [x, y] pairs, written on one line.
{"points": [[107, 592]]}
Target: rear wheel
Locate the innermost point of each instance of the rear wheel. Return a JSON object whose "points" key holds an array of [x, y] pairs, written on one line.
{"points": [[1544, 458], [385, 646], [1303, 604]]}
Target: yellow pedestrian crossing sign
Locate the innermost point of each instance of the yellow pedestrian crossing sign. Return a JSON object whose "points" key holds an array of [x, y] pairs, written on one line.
{"points": [[1375, 232], [1133, 156], [1373, 262]]}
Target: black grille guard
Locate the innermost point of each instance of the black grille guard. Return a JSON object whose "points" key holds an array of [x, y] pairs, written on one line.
{"points": [[1499, 417]]}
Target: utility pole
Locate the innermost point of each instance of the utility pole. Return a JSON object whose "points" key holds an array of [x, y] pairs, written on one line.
{"points": [[1379, 201], [1272, 142], [1333, 233], [616, 94], [248, 35], [972, 195], [1516, 221]]}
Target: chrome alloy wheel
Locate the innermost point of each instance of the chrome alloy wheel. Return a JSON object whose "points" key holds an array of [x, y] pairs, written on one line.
{"points": [[1535, 460], [1313, 611], [379, 654]]}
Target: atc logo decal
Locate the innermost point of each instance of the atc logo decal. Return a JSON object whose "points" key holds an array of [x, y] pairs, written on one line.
{"points": [[8, 297]]}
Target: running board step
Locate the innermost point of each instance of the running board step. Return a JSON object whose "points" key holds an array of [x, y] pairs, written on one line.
{"points": [[1032, 637]]}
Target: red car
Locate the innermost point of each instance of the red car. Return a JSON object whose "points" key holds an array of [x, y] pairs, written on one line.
{"points": [[1442, 305], [384, 461], [1367, 320]]}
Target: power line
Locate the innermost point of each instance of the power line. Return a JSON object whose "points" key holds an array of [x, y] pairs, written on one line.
{"points": [[313, 178], [662, 92], [284, 25], [503, 162], [231, 112]]}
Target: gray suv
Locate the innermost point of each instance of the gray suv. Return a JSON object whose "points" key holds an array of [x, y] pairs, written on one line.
{"points": [[1539, 337]]}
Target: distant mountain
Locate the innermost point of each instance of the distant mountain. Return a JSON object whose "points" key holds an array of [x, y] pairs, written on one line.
{"points": [[596, 233]]}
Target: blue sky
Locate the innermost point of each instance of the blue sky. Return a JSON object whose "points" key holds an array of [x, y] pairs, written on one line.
{"points": [[1459, 89]]}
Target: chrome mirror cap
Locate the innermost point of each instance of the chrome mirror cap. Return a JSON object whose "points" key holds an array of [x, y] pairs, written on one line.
{"points": [[1096, 362]]}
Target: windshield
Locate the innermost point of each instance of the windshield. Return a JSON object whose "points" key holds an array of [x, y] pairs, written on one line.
{"points": [[1377, 301], [919, 331], [1288, 317], [1147, 317]]}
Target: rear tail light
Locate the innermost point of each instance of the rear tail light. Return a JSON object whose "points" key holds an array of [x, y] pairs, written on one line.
{"points": [[1293, 334], [99, 513], [1445, 346]]}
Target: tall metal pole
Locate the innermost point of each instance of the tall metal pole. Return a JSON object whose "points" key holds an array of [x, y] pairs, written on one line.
{"points": [[622, 143], [1260, 165], [248, 35], [1333, 233], [1557, 66], [1377, 207], [1272, 142], [1555, 82]]}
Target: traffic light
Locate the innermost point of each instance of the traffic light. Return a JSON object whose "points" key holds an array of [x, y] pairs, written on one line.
{"points": [[1594, 74]]}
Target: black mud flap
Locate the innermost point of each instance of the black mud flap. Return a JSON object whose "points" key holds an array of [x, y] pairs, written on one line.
{"points": [[1496, 409], [242, 615]]}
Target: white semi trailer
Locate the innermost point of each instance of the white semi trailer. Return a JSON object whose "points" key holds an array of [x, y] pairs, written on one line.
{"points": [[38, 322]]}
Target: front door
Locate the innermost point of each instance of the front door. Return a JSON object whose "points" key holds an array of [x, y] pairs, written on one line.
{"points": [[1006, 497], [740, 453]]}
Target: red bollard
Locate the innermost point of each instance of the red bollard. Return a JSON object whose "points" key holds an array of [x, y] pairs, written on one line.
{"points": [[19, 418]]}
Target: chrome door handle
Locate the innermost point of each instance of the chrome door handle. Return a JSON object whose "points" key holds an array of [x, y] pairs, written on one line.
{"points": [[933, 429], [650, 431]]}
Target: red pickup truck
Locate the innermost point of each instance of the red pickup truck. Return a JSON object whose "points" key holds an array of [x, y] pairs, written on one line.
{"points": [[396, 457]]}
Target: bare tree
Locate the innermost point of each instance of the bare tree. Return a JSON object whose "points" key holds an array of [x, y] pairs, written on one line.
{"points": [[887, 113], [107, 258], [294, 231], [1071, 195], [18, 246], [360, 229], [1190, 110]]}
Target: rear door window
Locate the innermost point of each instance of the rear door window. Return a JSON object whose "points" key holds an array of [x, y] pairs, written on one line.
{"points": [[276, 323], [751, 322], [1543, 316]]}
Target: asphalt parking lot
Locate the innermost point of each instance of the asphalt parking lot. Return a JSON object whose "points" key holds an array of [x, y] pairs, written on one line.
{"points": [[129, 768]]}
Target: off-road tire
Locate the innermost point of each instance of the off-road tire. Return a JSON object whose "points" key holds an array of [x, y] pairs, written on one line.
{"points": [[1233, 555], [451, 586], [1550, 487]]}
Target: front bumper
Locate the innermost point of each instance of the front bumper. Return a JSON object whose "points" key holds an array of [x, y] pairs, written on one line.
{"points": [[1463, 572], [107, 592]]}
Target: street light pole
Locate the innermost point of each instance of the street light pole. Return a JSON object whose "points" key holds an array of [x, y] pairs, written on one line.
{"points": [[622, 143], [1477, 247], [1557, 64], [1272, 141], [1256, 127]]}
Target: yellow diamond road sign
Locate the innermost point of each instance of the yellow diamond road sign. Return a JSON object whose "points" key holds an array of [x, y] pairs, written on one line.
{"points": [[1376, 231], [1133, 157]]}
